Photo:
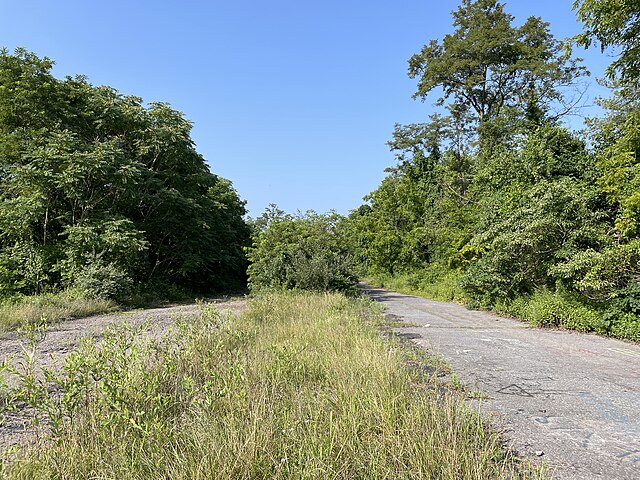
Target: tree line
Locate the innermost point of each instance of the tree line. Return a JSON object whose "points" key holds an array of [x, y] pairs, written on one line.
{"points": [[495, 201], [102, 193]]}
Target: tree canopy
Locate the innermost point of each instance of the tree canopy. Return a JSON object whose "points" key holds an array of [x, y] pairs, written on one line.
{"points": [[96, 183], [613, 23], [488, 67], [530, 220]]}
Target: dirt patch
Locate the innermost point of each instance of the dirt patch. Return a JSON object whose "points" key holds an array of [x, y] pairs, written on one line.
{"points": [[62, 338]]}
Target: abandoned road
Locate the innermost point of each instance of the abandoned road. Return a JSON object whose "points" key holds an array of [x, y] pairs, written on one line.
{"points": [[566, 398]]}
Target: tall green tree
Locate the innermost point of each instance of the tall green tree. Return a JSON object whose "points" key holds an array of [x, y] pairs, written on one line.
{"points": [[613, 24], [495, 68], [613, 273], [498, 203], [93, 181]]}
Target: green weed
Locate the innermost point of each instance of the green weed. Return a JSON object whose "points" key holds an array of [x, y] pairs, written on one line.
{"points": [[431, 283], [298, 386], [52, 307]]}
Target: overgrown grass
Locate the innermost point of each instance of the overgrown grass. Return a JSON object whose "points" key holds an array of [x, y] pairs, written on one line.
{"points": [[50, 307], [545, 308], [299, 386], [433, 283]]}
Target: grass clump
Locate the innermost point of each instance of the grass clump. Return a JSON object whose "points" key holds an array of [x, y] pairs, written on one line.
{"points": [[544, 308], [433, 282], [298, 386], [49, 307]]}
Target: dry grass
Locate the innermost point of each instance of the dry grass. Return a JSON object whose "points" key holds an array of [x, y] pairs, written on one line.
{"points": [[49, 308], [298, 386]]}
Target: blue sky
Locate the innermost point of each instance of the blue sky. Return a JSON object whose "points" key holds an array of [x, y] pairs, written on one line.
{"points": [[293, 101]]}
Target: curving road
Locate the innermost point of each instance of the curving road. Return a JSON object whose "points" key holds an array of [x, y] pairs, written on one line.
{"points": [[568, 398]]}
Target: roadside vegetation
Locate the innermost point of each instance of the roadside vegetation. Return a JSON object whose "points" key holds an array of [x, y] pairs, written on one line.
{"points": [[301, 252], [298, 386], [105, 196], [49, 308], [494, 202]]}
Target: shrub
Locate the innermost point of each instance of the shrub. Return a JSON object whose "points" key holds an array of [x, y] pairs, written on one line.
{"points": [[622, 317], [547, 308], [103, 280]]}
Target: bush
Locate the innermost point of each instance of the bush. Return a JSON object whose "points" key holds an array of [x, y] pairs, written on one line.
{"points": [[626, 326], [546, 308], [485, 284], [435, 281], [622, 317], [322, 271], [104, 280], [545, 224]]}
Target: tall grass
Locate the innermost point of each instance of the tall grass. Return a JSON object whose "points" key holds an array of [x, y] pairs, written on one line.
{"points": [[50, 307], [298, 386], [546, 308], [432, 282]]}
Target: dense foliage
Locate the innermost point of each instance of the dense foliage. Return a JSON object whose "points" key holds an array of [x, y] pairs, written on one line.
{"points": [[102, 193], [613, 23], [306, 252], [491, 71], [499, 202]]}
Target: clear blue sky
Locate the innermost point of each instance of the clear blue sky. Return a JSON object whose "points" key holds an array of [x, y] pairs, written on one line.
{"points": [[291, 100]]}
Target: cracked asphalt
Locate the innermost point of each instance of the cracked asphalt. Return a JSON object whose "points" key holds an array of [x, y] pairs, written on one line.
{"points": [[566, 398]]}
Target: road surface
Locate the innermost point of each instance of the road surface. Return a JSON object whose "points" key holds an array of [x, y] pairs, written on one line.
{"points": [[568, 398]]}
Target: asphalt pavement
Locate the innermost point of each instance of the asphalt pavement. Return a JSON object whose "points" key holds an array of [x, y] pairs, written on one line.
{"points": [[562, 397]]}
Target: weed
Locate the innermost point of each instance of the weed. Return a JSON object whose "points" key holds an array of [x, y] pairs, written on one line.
{"points": [[298, 386], [457, 384]]}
